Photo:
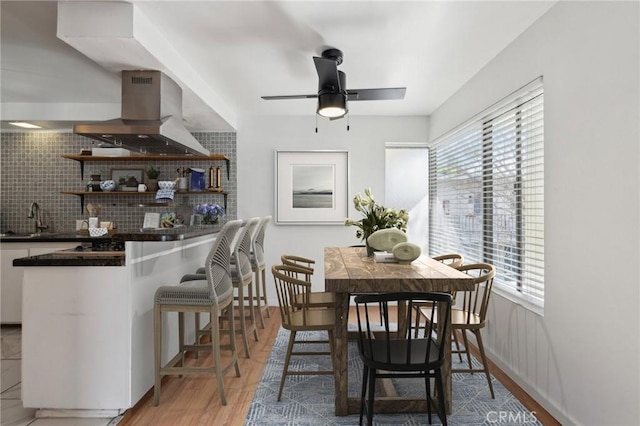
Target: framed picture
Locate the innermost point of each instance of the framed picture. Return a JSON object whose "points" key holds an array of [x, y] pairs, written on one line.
{"points": [[117, 174], [312, 187]]}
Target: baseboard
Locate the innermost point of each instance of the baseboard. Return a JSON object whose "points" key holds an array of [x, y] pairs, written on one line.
{"points": [[57, 413]]}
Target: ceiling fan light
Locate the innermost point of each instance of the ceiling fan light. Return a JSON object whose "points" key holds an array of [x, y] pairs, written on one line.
{"points": [[332, 105]]}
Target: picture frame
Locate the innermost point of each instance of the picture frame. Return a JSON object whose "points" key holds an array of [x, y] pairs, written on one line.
{"points": [[311, 187], [116, 174]]}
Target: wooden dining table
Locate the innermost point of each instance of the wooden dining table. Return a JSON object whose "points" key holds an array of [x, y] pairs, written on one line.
{"points": [[349, 271]]}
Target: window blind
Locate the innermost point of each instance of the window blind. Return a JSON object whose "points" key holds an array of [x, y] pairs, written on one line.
{"points": [[486, 188]]}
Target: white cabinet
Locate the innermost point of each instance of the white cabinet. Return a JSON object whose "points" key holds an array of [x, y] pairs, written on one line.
{"points": [[94, 324], [11, 276], [11, 284]]}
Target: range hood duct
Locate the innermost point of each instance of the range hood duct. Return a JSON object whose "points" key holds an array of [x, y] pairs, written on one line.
{"points": [[151, 120]]}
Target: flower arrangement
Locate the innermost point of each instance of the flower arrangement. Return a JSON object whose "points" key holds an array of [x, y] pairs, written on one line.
{"points": [[209, 212], [376, 216]]}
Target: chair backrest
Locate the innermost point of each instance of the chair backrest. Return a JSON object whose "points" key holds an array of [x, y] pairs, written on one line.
{"points": [[288, 289], [257, 242], [302, 263], [216, 266], [381, 345], [476, 302], [242, 250], [455, 260]]}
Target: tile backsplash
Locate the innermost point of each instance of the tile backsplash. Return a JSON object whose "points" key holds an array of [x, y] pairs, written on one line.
{"points": [[32, 169]]}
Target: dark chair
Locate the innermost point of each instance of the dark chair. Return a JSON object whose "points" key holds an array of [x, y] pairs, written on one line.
{"points": [[387, 354]]}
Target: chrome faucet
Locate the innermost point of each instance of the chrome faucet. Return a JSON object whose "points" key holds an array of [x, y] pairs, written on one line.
{"points": [[35, 212]]}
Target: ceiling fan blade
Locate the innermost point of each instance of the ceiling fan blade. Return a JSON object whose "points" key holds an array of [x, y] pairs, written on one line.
{"points": [[327, 74], [271, 98], [376, 94]]}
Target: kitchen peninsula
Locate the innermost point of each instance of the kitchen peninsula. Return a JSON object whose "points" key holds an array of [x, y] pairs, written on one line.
{"points": [[87, 330]]}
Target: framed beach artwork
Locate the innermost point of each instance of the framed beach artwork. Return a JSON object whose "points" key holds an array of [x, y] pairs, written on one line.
{"points": [[312, 187]]}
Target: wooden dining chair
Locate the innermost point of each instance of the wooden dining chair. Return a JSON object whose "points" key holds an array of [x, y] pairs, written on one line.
{"points": [[471, 316], [299, 317], [450, 259], [385, 354], [453, 260], [304, 270]]}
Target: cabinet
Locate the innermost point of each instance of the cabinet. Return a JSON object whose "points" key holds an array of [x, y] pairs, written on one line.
{"points": [[144, 158], [11, 276]]}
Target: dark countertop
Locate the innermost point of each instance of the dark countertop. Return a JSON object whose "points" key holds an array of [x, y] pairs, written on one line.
{"points": [[169, 234], [47, 237], [70, 260], [73, 259]]}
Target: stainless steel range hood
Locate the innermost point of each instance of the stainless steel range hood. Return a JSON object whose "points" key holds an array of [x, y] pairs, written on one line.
{"points": [[151, 120]]}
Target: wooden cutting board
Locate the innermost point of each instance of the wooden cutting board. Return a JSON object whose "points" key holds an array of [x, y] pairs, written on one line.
{"points": [[88, 253]]}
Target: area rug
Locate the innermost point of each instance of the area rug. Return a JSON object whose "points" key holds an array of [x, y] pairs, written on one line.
{"points": [[309, 400]]}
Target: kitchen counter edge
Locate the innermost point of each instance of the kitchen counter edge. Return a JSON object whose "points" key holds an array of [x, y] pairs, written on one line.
{"points": [[78, 260], [170, 234]]}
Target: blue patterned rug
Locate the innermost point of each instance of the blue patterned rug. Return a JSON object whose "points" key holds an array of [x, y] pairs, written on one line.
{"points": [[308, 400]]}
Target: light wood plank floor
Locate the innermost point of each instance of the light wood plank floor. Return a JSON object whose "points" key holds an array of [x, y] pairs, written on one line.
{"points": [[194, 400]]}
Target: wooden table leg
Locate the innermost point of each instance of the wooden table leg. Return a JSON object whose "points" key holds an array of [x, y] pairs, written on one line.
{"points": [[402, 318], [341, 354], [445, 339]]}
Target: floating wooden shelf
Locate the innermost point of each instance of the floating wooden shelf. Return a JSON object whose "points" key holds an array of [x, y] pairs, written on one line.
{"points": [[146, 158], [82, 194], [132, 158]]}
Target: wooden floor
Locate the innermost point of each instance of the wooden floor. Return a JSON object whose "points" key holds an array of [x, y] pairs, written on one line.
{"points": [[194, 400]]}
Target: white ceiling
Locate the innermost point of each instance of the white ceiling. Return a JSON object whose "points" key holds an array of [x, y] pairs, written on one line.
{"points": [[226, 54]]}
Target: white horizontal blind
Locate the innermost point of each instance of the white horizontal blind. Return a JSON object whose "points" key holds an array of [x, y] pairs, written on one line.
{"points": [[487, 193]]}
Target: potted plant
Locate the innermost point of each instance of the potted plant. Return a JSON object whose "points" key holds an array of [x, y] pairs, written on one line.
{"points": [[152, 178], [122, 183]]}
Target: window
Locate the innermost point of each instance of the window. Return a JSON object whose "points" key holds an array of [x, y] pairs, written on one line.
{"points": [[486, 191]]}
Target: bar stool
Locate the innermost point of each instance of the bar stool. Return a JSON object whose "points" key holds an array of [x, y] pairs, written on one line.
{"points": [[242, 278], [258, 265], [213, 295], [241, 246]]}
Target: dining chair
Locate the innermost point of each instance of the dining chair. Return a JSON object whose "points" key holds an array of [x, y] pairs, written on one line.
{"points": [[298, 318], [385, 353], [453, 260], [471, 316], [304, 268], [213, 295]]}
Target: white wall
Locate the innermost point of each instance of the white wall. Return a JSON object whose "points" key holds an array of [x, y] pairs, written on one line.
{"points": [[581, 358], [258, 139]]}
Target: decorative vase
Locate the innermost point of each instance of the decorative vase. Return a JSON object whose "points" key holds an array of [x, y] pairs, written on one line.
{"points": [[368, 247], [152, 184], [369, 250]]}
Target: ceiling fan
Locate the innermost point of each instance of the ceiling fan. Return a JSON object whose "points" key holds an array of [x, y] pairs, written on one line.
{"points": [[332, 91]]}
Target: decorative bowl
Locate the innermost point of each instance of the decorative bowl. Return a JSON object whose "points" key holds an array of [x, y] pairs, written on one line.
{"points": [[98, 232], [166, 184], [107, 185]]}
